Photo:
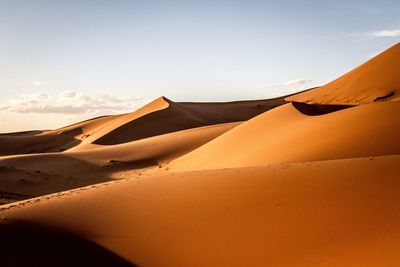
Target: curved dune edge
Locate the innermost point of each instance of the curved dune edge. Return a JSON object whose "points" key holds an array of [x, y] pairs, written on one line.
{"points": [[376, 80], [284, 135], [329, 213]]}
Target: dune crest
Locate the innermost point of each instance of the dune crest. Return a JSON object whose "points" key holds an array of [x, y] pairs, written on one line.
{"points": [[376, 80]]}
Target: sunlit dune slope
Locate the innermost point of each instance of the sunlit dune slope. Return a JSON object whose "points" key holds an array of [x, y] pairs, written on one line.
{"points": [[332, 213], [376, 80], [284, 134]]}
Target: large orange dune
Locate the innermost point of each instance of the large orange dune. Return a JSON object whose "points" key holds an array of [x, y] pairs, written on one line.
{"points": [[284, 135], [310, 179]]}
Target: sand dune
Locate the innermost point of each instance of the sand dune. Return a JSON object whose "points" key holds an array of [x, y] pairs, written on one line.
{"points": [[331, 213], [285, 135], [376, 80], [181, 116]]}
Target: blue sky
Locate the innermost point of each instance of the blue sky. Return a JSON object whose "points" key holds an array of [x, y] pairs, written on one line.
{"points": [[63, 61]]}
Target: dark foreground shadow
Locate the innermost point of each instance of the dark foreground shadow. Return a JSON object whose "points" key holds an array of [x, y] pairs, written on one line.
{"points": [[25, 244]]}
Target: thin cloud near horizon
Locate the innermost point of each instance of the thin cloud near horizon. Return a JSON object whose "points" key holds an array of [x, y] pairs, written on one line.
{"points": [[71, 103], [293, 82], [386, 33]]}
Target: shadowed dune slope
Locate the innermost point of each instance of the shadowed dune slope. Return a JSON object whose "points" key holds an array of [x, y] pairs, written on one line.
{"points": [[285, 135], [376, 80], [331, 213]]}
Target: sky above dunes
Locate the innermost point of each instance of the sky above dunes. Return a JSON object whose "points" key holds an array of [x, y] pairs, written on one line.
{"points": [[65, 61]]}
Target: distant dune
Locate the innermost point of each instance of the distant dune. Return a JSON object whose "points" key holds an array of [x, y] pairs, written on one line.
{"points": [[180, 116], [310, 179], [161, 116]]}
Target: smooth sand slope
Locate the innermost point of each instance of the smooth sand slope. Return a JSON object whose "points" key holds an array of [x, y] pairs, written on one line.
{"points": [[332, 213], [376, 80]]}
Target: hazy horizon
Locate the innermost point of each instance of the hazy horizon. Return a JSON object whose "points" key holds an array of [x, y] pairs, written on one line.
{"points": [[67, 61]]}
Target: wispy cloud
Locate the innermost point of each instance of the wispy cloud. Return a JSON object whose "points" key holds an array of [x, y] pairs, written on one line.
{"points": [[284, 88], [300, 81], [386, 33], [289, 83], [37, 83], [365, 35], [374, 10], [71, 103]]}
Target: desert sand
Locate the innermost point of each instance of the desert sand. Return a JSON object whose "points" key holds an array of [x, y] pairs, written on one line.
{"points": [[310, 179]]}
